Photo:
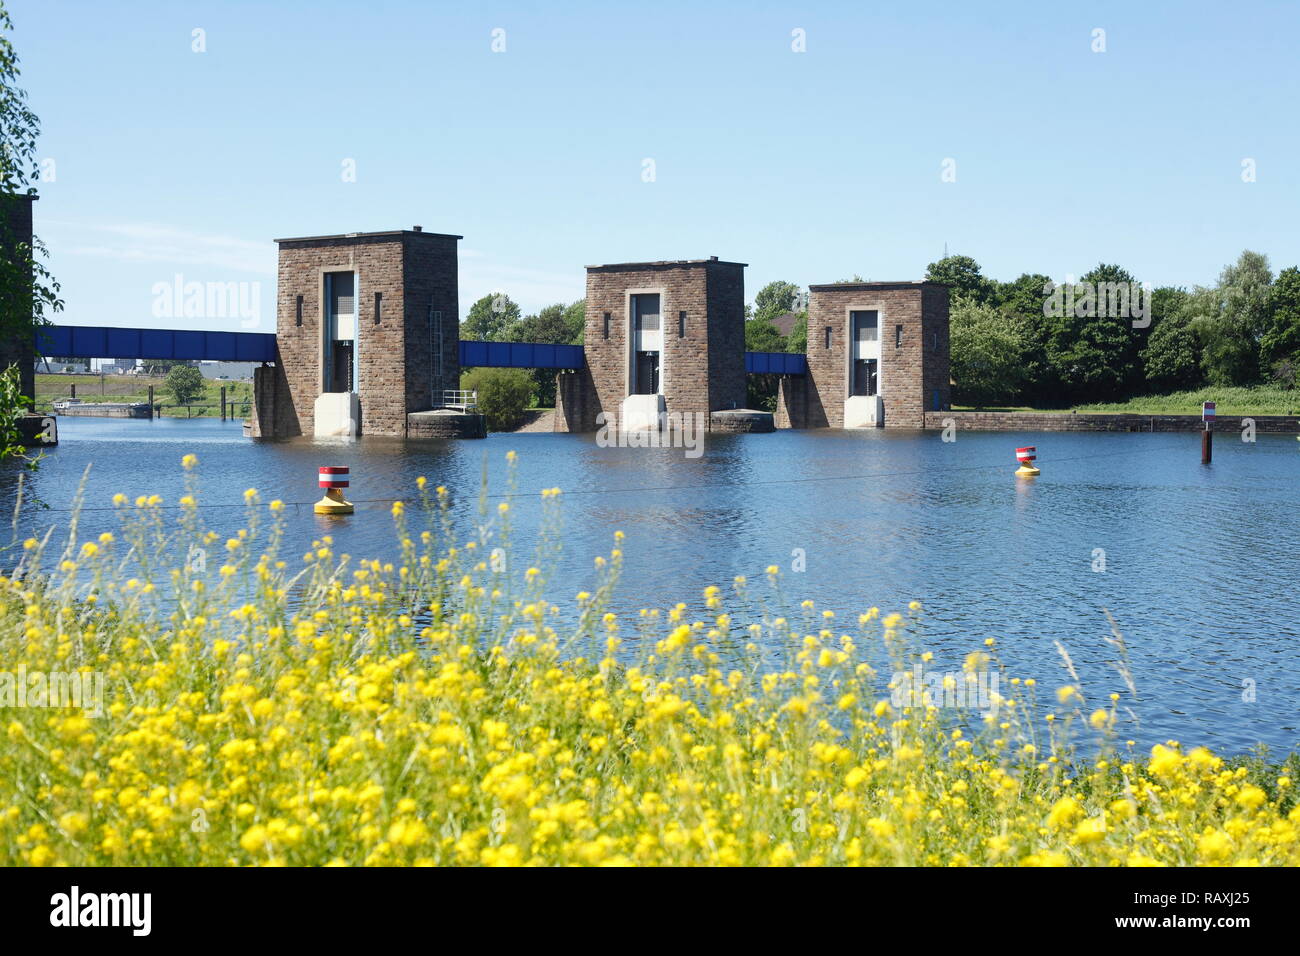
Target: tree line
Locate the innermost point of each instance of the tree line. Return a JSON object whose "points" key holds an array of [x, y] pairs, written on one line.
{"points": [[1010, 342], [1035, 341], [505, 394], [1031, 340]]}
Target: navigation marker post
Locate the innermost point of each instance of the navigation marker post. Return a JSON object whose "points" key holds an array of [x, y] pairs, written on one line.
{"points": [[1207, 436]]}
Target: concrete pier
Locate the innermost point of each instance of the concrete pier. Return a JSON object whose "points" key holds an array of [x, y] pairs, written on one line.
{"points": [[446, 423]]}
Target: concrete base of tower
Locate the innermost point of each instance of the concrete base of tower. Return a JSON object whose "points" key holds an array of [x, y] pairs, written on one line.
{"points": [[337, 415], [642, 413], [864, 411], [741, 420], [445, 423]]}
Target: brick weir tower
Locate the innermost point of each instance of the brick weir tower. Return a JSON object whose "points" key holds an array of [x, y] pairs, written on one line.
{"points": [[877, 357], [367, 338], [368, 343], [662, 340]]}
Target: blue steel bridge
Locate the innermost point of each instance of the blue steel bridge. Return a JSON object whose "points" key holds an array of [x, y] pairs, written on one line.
{"points": [[83, 341]]}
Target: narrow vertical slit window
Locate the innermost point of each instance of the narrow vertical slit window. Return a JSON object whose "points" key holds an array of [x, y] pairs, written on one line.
{"points": [[828, 336], [681, 325], [898, 336], [297, 317], [379, 306], [607, 319]]}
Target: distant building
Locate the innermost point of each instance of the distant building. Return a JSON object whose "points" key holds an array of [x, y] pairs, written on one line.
{"points": [[234, 371], [47, 365], [785, 323]]}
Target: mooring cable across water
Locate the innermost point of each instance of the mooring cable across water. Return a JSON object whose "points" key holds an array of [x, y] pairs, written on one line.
{"points": [[646, 489]]}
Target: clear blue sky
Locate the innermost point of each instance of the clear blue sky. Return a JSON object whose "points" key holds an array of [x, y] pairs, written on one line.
{"points": [[809, 166]]}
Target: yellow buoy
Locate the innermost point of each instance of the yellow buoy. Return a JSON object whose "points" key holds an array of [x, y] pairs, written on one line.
{"points": [[332, 479], [1026, 457]]}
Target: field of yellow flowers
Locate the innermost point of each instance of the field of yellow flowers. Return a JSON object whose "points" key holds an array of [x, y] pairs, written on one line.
{"points": [[310, 709]]}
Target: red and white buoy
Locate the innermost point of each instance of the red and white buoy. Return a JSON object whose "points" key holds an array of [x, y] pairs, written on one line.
{"points": [[1026, 456], [332, 479]]}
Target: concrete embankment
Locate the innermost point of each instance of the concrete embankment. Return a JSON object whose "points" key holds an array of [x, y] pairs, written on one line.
{"points": [[1073, 422], [103, 409]]}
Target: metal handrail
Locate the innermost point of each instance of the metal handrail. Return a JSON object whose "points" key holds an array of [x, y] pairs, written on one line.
{"points": [[461, 399]]}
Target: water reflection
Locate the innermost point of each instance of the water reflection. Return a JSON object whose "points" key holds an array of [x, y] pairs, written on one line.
{"points": [[1199, 562]]}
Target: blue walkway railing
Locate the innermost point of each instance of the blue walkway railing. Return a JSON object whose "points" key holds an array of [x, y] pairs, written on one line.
{"points": [[776, 363], [530, 355], [519, 355], [83, 341]]}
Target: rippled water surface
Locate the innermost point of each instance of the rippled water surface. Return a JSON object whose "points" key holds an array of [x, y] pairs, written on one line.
{"points": [[1201, 562]]}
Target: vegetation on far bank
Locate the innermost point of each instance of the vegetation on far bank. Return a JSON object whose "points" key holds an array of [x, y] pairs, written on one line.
{"points": [[504, 395], [135, 388], [1013, 343], [1230, 400]]}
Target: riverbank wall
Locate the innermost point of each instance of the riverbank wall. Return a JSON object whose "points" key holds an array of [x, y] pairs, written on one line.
{"points": [[1073, 422]]}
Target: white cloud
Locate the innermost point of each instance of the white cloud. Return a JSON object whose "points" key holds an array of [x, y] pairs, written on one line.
{"points": [[152, 242], [533, 289]]}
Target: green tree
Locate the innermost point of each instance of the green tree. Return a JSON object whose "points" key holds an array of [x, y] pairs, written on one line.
{"points": [[1281, 339], [776, 299], [548, 326], [1171, 358], [1023, 296], [489, 317], [986, 353], [961, 274], [504, 395], [575, 317], [13, 406], [797, 340], [1023, 299], [164, 365], [762, 336], [184, 383], [1093, 356], [27, 290], [1231, 319], [553, 325]]}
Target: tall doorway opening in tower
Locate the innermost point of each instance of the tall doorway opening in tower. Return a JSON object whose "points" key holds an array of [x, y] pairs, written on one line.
{"points": [[863, 403], [647, 341], [337, 411], [866, 353], [341, 331]]}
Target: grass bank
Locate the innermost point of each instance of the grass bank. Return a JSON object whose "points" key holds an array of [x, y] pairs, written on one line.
{"points": [[259, 707], [135, 388], [1257, 400]]}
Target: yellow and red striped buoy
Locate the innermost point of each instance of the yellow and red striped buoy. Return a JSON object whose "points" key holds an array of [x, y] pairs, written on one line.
{"points": [[1026, 457], [332, 478]]}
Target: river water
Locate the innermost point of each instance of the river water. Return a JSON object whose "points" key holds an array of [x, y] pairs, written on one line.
{"points": [[1200, 562]]}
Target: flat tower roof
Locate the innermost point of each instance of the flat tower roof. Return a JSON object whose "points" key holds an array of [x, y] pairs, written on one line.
{"points": [[906, 283], [391, 233], [712, 260]]}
